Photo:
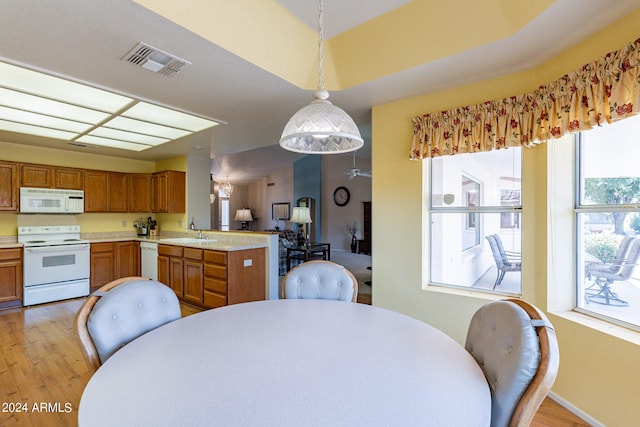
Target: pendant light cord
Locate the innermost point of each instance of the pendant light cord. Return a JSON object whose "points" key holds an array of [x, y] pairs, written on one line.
{"points": [[320, 43]]}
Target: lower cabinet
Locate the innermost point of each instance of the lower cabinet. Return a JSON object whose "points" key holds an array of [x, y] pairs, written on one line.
{"points": [[170, 267], [10, 277], [112, 260], [210, 278], [193, 275], [102, 261], [234, 277]]}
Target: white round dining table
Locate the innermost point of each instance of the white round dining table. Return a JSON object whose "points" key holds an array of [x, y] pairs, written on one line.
{"points": [[289, 363]]}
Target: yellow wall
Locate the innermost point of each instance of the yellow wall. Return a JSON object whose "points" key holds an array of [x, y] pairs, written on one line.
{"points": [[599, 372], [92, 222]]}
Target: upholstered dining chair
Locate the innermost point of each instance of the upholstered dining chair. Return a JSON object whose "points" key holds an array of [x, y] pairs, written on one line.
{"points": [[119, 312], [320, 279], [515, 345]]}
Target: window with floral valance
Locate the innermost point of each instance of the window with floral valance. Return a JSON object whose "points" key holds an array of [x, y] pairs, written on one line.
{"points": [[602, 91]]}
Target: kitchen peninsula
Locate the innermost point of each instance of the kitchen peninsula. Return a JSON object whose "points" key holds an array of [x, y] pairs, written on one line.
{"points": [[218, 269]]}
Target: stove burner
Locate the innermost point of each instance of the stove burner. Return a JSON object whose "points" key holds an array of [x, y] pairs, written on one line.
{"points": [[71, 240], [35, 241]]}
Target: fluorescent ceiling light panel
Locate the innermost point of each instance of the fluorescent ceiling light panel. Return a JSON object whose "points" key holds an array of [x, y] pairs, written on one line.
{"points": [[38, 104], [35, 130], [111, 143], [124, 123], [161, 115], [35, 104], [62, 90], [128, 136], [25, 117]]}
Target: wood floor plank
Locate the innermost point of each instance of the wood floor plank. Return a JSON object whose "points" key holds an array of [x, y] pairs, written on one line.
{"points": [[41, 363]]}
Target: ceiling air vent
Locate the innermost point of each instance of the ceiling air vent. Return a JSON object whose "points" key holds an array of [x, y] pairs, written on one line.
{"points": [[153, 59]]}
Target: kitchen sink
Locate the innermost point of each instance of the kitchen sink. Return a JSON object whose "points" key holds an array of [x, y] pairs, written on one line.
{"points": [[186, 240]]}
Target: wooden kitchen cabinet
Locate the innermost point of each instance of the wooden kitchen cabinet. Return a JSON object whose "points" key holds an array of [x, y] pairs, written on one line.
{"points": [[127, 259], [215, 279], [40, 176], [117, 189], [193, 265], [234, 277], [139, 192], [113, 260], [9, 187], [102, 261], [96, 191], [105, 191], [168, 192], [170, 268], [69, 178], [10, 277]]}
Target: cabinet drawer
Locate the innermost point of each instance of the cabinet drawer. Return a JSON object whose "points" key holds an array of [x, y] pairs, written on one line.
{"points": [[214, 270], [215, 285], [215, 257], [214, 300], [169, 250], [193, 254], [102, 247], [12, 254]]}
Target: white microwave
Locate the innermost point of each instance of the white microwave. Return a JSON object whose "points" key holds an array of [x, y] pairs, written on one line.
{"points": [[51, 200]]}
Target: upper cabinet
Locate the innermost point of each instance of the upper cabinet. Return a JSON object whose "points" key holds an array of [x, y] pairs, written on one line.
{"points": [[9, 187], [118, 191], [36, 176], [69, 178], [168, 192], [104, 191], [96, 191], [139, 192]]}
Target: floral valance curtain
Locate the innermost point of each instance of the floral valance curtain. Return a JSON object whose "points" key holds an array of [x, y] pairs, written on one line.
{"points": [[602, 91]]}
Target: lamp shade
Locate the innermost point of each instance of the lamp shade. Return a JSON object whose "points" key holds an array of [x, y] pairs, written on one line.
{"points": [[243, 215], [321, 128], [301, 215]]}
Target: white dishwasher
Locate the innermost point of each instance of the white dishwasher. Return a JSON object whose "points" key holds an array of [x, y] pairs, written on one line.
{"points": [[149, 260]]}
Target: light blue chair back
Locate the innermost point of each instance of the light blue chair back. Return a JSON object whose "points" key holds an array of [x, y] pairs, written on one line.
{"points": [[320, 280]]}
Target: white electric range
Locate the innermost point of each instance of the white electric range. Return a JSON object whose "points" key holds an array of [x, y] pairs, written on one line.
{"points": [[56, 263]]}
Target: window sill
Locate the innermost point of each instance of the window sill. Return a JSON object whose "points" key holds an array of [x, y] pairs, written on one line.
{"points": [[602, 326], [478, 294]]}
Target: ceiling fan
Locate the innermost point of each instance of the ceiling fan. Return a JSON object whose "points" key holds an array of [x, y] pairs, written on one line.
{"points": [[354, 171]]}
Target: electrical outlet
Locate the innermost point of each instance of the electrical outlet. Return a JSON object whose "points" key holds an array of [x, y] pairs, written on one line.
{"points": [[124, 223], [180, 224]]}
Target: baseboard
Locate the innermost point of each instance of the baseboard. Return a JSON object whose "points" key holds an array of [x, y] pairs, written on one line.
{"points": [[575, 410]]}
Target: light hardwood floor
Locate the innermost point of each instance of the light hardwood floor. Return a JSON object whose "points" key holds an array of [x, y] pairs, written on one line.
{"points": [[42, 369]]}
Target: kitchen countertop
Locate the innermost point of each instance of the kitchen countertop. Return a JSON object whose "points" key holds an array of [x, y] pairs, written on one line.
{"points": [[212, 243]]}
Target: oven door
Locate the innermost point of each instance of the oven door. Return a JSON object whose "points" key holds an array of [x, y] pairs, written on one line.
{"points": [[50, 264]]}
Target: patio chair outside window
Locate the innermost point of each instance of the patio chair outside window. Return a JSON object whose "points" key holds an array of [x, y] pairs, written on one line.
{"points": [[505, 260], [618, 270]]}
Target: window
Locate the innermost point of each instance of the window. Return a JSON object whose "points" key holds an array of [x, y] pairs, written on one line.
{"points": [[608, 222], [474, 196]]}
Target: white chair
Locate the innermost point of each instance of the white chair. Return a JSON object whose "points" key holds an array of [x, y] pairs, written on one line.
{"points": [[320, 280], [515, 345], [119, 312]]}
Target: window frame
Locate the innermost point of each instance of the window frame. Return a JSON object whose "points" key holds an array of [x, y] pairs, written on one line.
{"points": [[466, 211], [578, 243]]}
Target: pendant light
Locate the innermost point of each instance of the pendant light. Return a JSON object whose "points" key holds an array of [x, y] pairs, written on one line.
{"points": [[321, 127]]}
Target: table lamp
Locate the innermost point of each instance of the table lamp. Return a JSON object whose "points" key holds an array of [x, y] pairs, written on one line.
{"points": [[301, 215], [244, 215]]}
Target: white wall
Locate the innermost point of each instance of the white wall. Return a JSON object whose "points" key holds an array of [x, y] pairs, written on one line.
{"points": [[198, 188]]}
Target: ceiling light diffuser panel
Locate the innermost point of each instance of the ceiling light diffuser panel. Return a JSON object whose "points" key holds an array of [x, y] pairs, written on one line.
{"points": [[38, 104]]}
